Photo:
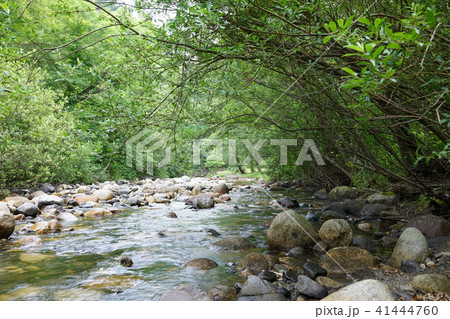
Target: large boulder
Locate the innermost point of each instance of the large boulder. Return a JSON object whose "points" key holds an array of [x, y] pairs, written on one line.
{"points": [[289, 229], [27, 209], [233, 244], [201, 202], [103, 194], [365, 290], [343, 192], [347, 259], [257, 289], [353, 207], [431, 283], [257, 262], [411, 245], [185, 293], [382, 198], [200, 263], [336, 233], [48, 200], [431, 225], [310, 288], [7, 225]]}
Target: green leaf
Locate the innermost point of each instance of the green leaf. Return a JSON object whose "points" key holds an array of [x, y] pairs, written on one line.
{"points": [[4, 6], [370, 46], [364, 20], [394, 45], [349, 22], [332, 25], [431, 19], [377, 52], [341, 23], [377, 22], [355, 47], [326, 39], [349, 71]]}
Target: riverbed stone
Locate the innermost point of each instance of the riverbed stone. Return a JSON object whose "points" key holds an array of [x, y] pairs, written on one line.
{"points": [[409, 267], [336, 233], [290, 229], [329, 283], [28, 209], [4, 208], [7, 225], [310, 288], [201, 202], [347, 259], [15, 201], [296, 252], [86, 199], [125, 261], [411, 245], [313, 270], [185, 293], [201, 263], [97, 212], [103, 194], [343, 192], [222, 188], [47, 200], [66, 217], [30, 241], [353, 206], [382, 198], [370, 210], [430, 225], [431, 283], [233, 244], [257, 286], [222, 293], [84, 189], [257, 262], [288, 202], [365, 290], [321, 194]]}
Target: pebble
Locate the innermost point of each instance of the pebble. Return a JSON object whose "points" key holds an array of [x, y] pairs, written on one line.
{"points": [[423, 266]]}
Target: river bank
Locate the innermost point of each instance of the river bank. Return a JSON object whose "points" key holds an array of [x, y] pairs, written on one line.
{"points": [[218, 239]]}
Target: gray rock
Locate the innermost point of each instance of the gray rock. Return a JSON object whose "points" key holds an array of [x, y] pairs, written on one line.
{"points": [[347, 259], [47, 188], [133, 201], [7, 225], [47, 200], [289, 229], [185, 293], [409, 267], [313, 270], [103, 194], [27, 209], [336, 233], [309, 287], [288, 202], [365, 290], [312, 216], [335, 207], [221, 189], [222, 293], [329, 214], [380, 198], [201, 202], [4, 208], [431, 225], [353, 207], [201, 263], [268, 275], [373, 209], [125, 261], [257, 262], [233, 244], [431, 283], [257, 286], [296, 252], [411, 245], [124, 191], [343, 192]]}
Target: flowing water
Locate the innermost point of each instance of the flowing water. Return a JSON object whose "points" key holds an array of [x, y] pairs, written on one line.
{"points": [[82, 264]]}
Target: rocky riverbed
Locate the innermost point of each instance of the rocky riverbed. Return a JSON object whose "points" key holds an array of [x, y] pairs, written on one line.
{"points": [[218, 239]]}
